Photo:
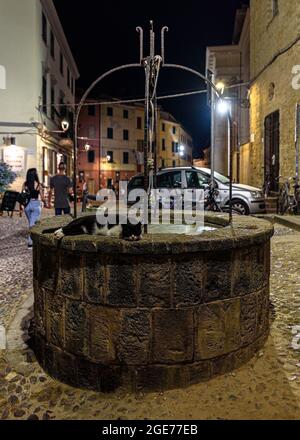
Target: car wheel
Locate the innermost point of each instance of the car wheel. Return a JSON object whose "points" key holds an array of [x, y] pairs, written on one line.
{"points": [[241, 207]]}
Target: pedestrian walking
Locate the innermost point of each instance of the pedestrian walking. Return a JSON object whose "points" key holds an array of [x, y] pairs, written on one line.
{"points": [[61, 184], [34, 190]]}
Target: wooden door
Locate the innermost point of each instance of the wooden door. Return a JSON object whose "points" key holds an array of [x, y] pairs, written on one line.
{"points": [[272, 150], [91, 186]]}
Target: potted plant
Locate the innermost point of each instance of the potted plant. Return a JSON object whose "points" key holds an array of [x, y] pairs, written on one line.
{"points": [[7, 177]]}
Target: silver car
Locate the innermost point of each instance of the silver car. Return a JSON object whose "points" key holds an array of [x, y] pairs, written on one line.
{"points": [[247, 199]]}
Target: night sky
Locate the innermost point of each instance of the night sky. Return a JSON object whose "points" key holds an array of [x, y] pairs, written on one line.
{"points": [[102, 35]]}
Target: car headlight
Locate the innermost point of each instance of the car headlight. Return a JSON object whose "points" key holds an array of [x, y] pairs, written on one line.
{"points": [[257, 194]]}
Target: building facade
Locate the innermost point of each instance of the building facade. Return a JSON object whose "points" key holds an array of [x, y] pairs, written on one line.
{"points": [[275, 91], [175, 144], [231, 65], [89, 155], [37, 87], [111, 144], [204, 161]]}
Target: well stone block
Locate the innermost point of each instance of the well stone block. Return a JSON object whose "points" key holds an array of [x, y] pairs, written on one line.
{"points": [[173, 336]]}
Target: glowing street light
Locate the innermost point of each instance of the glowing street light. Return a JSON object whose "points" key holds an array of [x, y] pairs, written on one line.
{"points": [[65, 125], [223, 106], [87, 147], [220, 86]]}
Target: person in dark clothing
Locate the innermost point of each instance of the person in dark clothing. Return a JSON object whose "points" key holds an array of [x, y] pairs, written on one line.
{"points": [[61, 184], [33, 210]]}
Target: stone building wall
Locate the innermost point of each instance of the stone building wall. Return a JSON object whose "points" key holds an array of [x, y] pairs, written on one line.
{"points": [[269, 35]]}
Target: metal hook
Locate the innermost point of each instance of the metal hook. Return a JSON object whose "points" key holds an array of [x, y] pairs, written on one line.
{"points": [[152, 40], [141, 32], [164, 29]]}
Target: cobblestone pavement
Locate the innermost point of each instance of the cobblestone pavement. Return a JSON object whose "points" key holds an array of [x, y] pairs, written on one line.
{"points": [[268, 387], [15, 266]]}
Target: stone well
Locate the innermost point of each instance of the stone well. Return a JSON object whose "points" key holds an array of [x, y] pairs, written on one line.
{"points": [[165, 312]]}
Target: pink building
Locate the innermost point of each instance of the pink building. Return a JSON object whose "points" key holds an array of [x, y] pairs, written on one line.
{"points": [[89, 148]]}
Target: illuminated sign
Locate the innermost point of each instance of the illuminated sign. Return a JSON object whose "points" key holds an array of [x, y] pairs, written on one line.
{"points": [[15, 157]]}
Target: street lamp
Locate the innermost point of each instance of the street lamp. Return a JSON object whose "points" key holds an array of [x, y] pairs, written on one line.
{"points": [[181, 152], [224, 108], [65, 125], [220, 86]]}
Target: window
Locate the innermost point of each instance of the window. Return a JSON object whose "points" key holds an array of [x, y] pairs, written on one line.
{"points": [[174, 130], [176, 147], [92, 110], [91, 132], [44, 98], [140, 146], [169, 180], [126, 135], [63, 109], [125, 114], [91, 156], [164, 144], [139, 123], [163, 163], [126, 158], [163, 127], [192, 179], [72, 85], [110, 111], [110, 133], [52, 103], [275, 7], [110, 157], [52, 45], [204, 180], [173, 147], [68, 77], [136, 182], [44, 28], [61, 64]]}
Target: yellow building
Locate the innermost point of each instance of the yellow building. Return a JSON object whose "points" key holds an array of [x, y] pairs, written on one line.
{"points": [[274, 92], [114, 134], [175, 145]]}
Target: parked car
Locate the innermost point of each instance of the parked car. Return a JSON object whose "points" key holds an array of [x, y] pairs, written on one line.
{"points": [[246, 199]]}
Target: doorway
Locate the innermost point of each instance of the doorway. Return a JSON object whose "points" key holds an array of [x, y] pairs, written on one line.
{"points": [[272, 150], [91, 186]]}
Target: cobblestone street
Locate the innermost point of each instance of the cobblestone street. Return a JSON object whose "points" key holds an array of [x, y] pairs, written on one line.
{"points": [[268, 387]]}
